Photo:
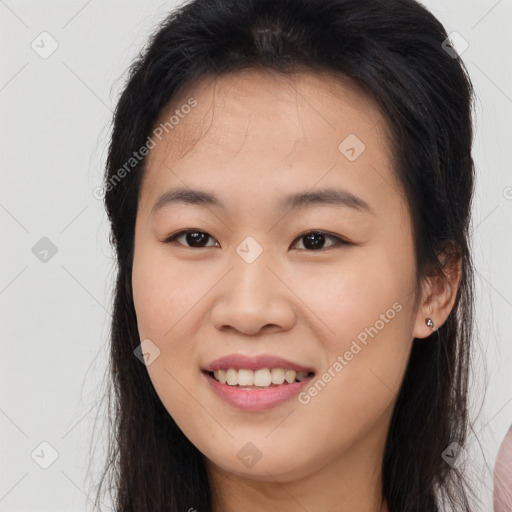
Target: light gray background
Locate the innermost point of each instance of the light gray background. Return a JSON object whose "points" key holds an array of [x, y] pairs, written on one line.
{"points": [[54, 122]]}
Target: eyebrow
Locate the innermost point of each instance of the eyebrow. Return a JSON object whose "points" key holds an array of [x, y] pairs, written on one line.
{"points": [[321, 197]]}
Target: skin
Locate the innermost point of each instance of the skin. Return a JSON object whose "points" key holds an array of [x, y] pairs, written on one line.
{"points": [[254, 137]]}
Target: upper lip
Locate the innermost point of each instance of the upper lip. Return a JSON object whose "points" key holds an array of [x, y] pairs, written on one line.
{"points": [[256, 362]]}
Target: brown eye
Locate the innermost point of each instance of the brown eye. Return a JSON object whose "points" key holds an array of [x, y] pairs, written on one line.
{"points": [[193, 238], [315, 240], [312, 240]]}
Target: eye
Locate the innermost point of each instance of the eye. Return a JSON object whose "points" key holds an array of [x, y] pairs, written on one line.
{"points": [[314, 240], [194, 237]]}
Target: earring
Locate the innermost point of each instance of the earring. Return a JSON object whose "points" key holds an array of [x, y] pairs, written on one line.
{"points": [[430, 323]]}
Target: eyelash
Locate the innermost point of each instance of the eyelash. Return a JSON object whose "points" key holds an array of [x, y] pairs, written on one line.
{"points": [[340, 241]]}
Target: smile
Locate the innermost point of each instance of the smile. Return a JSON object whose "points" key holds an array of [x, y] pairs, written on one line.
{"points": [[261, 378], [256, 398]]}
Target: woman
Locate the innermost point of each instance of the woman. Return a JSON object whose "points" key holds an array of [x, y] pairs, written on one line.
{"points": [[289, 187]]}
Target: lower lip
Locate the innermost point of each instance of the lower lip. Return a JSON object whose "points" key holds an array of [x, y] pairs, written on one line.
{"points": [[256, 399]]}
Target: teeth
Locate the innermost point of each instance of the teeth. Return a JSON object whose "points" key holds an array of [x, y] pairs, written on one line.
{"points": [[301, 376], [277, 375], [263, 378], [247, 378], [220, 375], [231, 377], [289, 376]]}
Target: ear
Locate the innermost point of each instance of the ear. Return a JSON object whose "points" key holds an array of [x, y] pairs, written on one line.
{"points": [[439, 293]]}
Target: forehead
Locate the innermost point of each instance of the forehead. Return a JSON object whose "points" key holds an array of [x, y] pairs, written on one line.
{"points": [[255, 129]]}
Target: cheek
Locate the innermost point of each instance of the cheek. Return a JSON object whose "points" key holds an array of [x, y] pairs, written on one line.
{"points": [[366, 359], [161, 299], [167, 301], [164, 292], [353, 300], [363, 309]]}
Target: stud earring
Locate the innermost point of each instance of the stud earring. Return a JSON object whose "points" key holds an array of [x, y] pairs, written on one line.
{"points": [[430, 323]]}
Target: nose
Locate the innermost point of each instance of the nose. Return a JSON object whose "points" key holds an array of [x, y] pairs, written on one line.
{"points": [[253, 299]]}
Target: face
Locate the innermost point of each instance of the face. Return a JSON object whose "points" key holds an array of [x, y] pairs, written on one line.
{"points": [[242, 273]]}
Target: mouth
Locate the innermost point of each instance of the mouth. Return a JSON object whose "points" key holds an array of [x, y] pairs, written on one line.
{"points": [[256, 382], [259, 390], [263, 378]]}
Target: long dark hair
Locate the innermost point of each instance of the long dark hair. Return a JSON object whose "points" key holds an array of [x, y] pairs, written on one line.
{"points": [[396, 52]]}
